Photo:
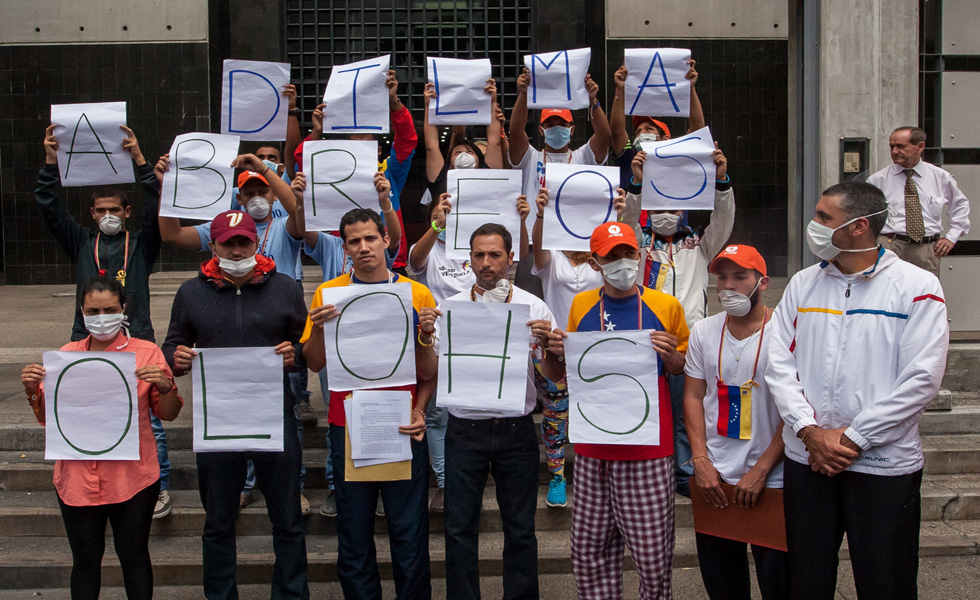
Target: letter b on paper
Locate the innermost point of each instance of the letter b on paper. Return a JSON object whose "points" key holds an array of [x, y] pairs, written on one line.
{"points": [[198, 184]]}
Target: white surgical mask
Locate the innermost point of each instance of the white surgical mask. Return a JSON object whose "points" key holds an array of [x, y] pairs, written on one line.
{"points": [[820, 238], [665, 224], [621, 274], [735, 303], [110, 224], [499, 293], [464, 160], [237, 268], [645, 137], [258, 208], [104, 327]]}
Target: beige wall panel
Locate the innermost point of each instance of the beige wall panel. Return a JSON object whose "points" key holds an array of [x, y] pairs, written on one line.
{"points": [[102, 21], [961, 22], [968, 180], [697, 19], [961, 128], [960, 276]]}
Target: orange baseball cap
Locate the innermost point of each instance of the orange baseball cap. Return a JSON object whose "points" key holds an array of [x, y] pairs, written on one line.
{"points": [[743, 256], [609, 235], [247, 176], [564, 113], [641, 119]]}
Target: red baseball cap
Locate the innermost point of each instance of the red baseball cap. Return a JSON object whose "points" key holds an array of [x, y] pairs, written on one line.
{"points": [[743, 256], [638, 119], [246, 176], [231, 223], [609, 235], [564, 113]]}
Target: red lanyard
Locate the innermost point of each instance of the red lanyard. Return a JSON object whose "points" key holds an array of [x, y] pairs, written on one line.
{"points": [[758, 350], [602, 310], [121, 275], [265, 239]]}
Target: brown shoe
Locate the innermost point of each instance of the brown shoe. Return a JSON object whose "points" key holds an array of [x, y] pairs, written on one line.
{"points": [[438, 503], [304, 505]]}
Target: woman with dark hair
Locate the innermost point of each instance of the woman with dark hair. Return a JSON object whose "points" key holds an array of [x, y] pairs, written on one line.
{"points": [[122, 492]]}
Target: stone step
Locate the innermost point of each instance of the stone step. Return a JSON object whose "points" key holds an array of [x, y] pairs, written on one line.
{"points": [[45, 562]]}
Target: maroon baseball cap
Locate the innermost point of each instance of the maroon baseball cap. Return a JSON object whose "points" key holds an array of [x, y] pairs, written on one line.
{"points": [[231, 223]]}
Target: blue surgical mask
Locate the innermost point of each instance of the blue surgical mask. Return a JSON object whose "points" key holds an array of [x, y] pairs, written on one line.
{"points": [[558, 136], [272, 165], [442, 236]]}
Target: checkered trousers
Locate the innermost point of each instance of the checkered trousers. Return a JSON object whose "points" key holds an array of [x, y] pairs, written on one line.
{"points": [[623, 503]]}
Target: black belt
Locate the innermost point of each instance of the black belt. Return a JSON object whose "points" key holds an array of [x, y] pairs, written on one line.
{"points": [[904, 238]]}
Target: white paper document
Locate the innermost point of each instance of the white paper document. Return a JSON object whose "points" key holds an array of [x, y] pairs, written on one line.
{"points": [[558, 79], [483, 355], [613, 388], [581, 199], [339, 178], [356, 97], [200, 180], [460, 99], [656, 83], [90, 144], [478, 197], [238, 400], [91, 406], [371, 344], [373, 419], [252, 104], [679, 174]]}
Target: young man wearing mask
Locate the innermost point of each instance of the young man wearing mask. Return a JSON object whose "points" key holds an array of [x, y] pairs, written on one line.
{"points": [[858, 350], [112, 251], [732, 422], [624, 494], [269, 308], [556, 129], [674, 260]]}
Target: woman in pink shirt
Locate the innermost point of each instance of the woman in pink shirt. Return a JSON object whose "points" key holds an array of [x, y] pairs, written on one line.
{"points": [[123, 492]]}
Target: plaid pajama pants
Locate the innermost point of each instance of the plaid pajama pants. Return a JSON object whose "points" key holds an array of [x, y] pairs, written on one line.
{"points": [[623, 503]]}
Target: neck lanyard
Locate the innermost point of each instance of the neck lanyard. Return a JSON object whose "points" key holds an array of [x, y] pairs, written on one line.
{"points": [[121, 274], [758, 349], [265, 238], [602, 310], [510, 294]]}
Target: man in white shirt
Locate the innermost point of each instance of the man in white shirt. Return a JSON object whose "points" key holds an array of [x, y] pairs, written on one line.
{"points": [[917, 192], [858, 350], [479, 442]]}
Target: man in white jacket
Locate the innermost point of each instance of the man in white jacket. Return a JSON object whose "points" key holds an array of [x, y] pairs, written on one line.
{"points": [[858, 351]]}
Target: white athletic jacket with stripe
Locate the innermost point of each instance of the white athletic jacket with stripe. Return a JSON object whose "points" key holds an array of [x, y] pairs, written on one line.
{"points": [[864, 351]]}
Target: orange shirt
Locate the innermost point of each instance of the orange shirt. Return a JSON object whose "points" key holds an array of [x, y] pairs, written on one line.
{"points": [[96, 482]]}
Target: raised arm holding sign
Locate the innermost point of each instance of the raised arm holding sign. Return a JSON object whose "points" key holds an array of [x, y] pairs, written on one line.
{"points": [[557, 79], [199, 181], [356, 98], [656, 85], [90, 143], [459, 88], [582, 198], [252, 102], [679, 173]]}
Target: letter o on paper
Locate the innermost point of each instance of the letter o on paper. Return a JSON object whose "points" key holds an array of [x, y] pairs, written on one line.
{"points": [[389, 306], [113, 385]]}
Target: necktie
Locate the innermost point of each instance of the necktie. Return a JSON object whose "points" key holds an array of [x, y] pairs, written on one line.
{"points": [[914, 227]]}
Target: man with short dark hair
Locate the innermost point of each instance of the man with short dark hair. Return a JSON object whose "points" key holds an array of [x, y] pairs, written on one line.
{"points": [[917, 192], [858, 350]]}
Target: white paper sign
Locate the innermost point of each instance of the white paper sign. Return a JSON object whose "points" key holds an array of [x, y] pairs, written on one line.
{"points": [[90, 144], [679, 173], [356, 98], [613, 388], [581, 200], [558, 79], [656, 85], [91, 408], [372, 343], [481, 196], [252, 104], [373, 424], [483, 354], [199, 182], [460, 99], [339, 178], [238, 400]]}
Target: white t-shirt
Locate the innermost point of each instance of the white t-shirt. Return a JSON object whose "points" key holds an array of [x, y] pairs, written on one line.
{"points": [[733, 457], [539, 311], [561, 281], [533, 166], [443, 276]]}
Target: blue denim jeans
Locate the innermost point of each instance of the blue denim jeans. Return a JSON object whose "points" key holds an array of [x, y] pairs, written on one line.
{"points": [[328, 470], [163, 455], [507, 449], [407, 514], [682, 445], [436, 421]]}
